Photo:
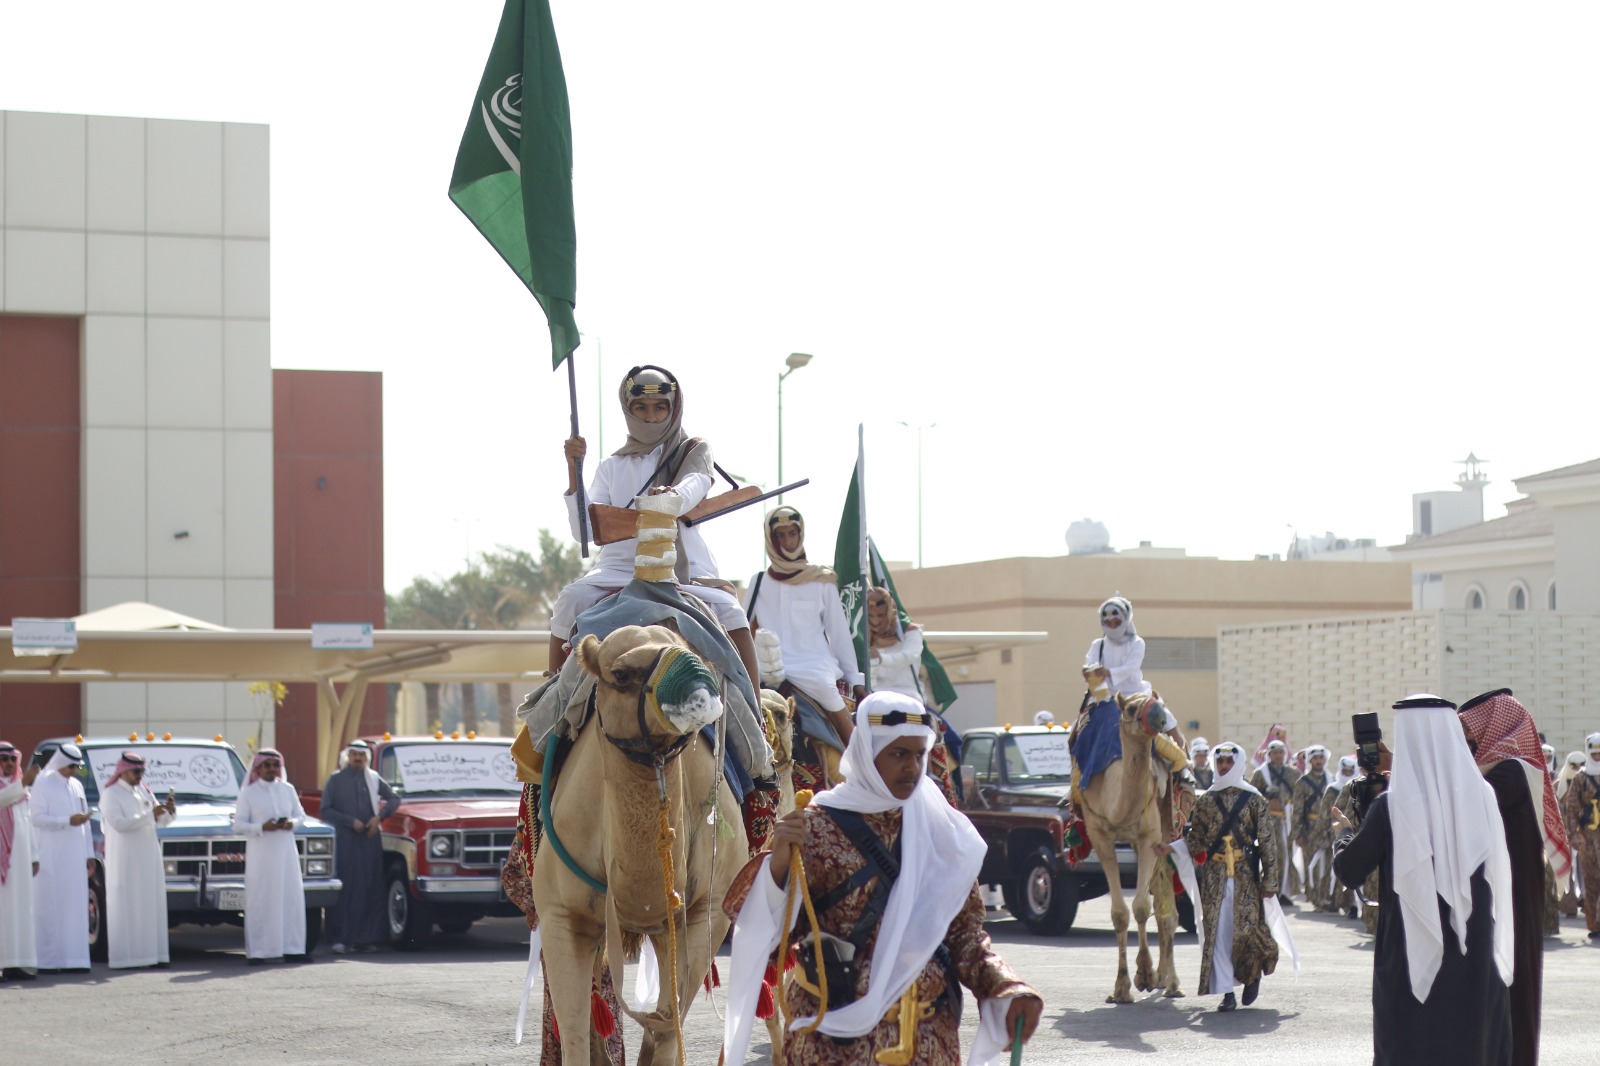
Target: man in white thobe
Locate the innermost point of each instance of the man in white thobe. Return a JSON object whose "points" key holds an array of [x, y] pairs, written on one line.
{"points": [[799, 602], [18, 865], [66, 857], [274, 895], [1119, 648], [136, 884]]}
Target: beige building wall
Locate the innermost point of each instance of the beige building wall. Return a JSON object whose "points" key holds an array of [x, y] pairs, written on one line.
{"points": [[1311, 676], [1179, 607]]}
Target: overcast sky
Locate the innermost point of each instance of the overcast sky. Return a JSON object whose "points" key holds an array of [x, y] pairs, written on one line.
{"points": [[1205, 273]]}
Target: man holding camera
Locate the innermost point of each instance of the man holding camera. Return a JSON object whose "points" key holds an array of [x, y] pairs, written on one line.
{"points": [[274, 895], [1444, 956], [1237, 856]]}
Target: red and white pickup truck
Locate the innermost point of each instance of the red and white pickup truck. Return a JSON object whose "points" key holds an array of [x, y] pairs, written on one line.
{"points": [[444, 847]]}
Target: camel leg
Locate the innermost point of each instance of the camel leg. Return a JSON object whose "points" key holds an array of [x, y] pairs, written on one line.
{"points": [[1166, 928], [570, 947], [1105, 848], [1144, 976]]}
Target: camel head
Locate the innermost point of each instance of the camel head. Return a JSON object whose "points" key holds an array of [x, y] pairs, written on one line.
{"points": [[779, 712], [649, 677], [1098, 678], [1143, 713]]}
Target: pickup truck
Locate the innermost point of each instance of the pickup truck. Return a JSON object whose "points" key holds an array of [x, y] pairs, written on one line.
{"points": [[443, 849], [1016, 782], [204, 857]]}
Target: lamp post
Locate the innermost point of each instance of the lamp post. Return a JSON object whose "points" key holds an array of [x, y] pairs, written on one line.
{"points": [[795, 361], [919, 430]]}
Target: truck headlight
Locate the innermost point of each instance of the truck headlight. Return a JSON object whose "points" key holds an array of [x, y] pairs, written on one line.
{"points": [[318, 867], [319, 845], [170, 866], [442, 847]]}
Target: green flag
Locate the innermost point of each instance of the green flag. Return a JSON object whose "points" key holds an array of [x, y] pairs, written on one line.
{"points": [[852, 546], [513, 175]]}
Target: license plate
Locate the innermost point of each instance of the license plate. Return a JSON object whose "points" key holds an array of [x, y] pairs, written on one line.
{"points": [[230, 899]]}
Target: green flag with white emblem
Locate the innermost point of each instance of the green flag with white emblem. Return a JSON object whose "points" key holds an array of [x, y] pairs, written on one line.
{"points": [[513, 174]]}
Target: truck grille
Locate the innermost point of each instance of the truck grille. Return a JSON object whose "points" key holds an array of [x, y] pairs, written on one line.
{"points": [[222, 858], [486, 847]]}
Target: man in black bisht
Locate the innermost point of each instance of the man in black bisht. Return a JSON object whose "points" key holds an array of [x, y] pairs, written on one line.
{"points": [[355, 801], [1444, 884]]}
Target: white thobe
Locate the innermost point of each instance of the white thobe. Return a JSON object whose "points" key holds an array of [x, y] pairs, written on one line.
{"points": [[1124, 661], [809, 621], [61, 909], [617, 480], [274, 895], [16, 895], [136, 884], [894, 666]]}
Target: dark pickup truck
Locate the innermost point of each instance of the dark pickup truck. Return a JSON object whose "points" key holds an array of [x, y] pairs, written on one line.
{"points": [[1016, 781]]}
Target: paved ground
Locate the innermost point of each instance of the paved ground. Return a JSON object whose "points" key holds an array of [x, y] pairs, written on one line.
{"points": [[456, 1003]]}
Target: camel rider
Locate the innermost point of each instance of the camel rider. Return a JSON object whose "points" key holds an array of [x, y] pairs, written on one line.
{"points": [[1119, 648], [891, 870], [798, 602], [897, 649], [658, 457]]}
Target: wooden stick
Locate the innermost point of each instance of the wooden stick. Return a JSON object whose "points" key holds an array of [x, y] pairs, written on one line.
{"points": [[583, 509]]}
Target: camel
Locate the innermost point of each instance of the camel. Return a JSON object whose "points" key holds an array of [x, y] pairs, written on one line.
{"points": [[1121, 803], [609, 808]]}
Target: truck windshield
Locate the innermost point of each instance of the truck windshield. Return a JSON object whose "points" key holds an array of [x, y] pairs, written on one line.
{"points": [[197, 774], [1038, 758], [451, 769]]}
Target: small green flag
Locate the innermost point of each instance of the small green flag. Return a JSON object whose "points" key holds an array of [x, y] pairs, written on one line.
{"points": [[513, 175], [848, 562]]}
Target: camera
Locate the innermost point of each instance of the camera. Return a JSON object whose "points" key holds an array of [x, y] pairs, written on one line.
{"points": [[1369, 737]]}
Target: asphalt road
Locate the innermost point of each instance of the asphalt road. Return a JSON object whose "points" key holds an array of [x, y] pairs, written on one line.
{"points": [[456, 1004]]}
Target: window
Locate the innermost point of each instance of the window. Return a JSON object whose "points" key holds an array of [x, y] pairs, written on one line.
{"points": [[1474, 598], [979, 754], [1517, 596], [1550, 596]]}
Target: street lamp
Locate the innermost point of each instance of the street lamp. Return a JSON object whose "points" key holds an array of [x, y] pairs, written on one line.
{"points": [[795, 361], [919, 430]]}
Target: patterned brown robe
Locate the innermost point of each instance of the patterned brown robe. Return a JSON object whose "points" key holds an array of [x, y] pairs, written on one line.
{"points": [[1254, 951], [1580, 809], [1312, 799], [1277, 785], [830, 859]]}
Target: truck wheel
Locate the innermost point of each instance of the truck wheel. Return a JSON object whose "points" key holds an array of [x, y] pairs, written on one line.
{"points": [[410, 925], [1046, 902], [313, 928], [98, 948]]}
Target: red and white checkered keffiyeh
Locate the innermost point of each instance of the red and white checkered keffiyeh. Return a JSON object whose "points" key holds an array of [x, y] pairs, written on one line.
{"points": [[8, 817], [1503, 729]]}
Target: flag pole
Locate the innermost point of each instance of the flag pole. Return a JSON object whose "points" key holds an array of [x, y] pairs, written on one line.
{"points": [[861, 547], [583, 503]]}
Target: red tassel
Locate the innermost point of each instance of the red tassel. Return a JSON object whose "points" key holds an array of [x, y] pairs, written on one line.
{"points": [[605, 1023], [765, 1008], [789, 962], [706, 984], [716, 978], [770, 977]]}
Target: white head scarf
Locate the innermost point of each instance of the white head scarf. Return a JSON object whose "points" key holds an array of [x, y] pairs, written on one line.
{"points": [[64, 756], [1043, 718], [1591, 765], [1345, 774], [1119, 607], [370, 776], [1446, 824], [1199, 744], [1318, 749], [1234, 778], [940, 855], [1549, 757]]}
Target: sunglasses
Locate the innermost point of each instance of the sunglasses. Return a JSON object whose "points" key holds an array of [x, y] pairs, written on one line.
{"points": [[137, 771], [273, 764], [7, 757]]}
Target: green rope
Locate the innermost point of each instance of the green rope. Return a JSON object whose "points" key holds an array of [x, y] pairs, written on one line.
{"points": [[547, 779]]}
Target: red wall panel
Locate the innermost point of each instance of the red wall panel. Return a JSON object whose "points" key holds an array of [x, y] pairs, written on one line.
{"points": [[40, 508], [328, 508]]}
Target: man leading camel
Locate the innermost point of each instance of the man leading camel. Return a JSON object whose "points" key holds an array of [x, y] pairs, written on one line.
{"points": [[893, 871]]}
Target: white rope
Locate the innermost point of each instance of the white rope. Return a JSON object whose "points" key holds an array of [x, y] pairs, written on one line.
{"points": [[534, 942]]}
